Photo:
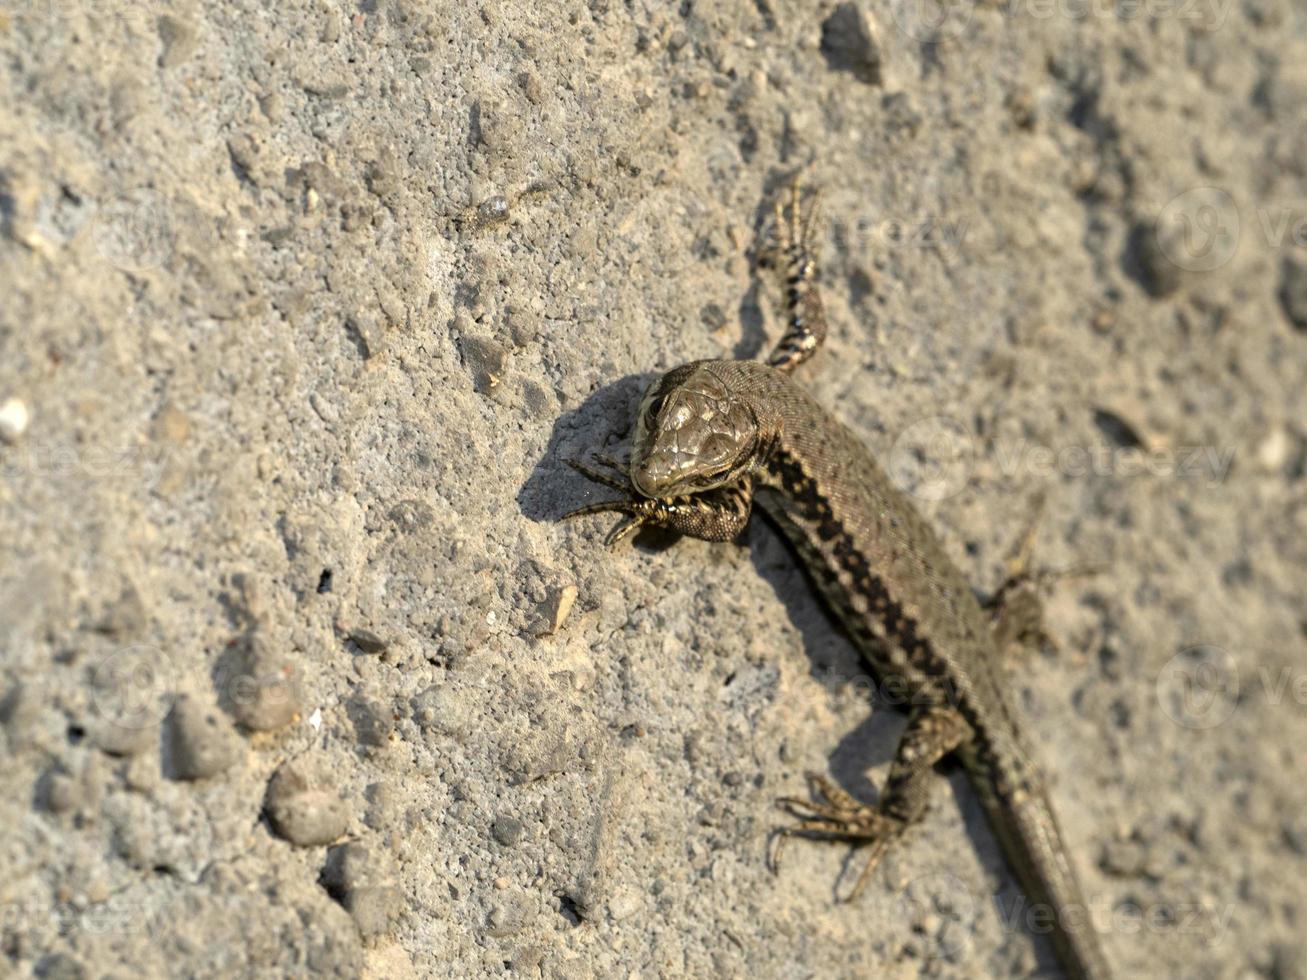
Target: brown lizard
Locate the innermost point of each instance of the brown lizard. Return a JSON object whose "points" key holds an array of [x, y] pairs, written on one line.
{"points": [[714, 438]]}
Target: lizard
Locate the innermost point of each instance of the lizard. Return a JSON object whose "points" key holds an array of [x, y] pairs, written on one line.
{"points": [[713, 440]]}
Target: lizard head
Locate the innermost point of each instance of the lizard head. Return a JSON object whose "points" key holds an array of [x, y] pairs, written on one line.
{"points": [[693, 433]]}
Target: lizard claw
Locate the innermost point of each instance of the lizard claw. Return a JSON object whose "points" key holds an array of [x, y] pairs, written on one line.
{"points": [[638, 511], [616, 465], [833, 814], [624, 530], [598, 477]]}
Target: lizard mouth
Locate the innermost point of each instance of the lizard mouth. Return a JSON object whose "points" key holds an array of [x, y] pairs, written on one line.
{"points": [[661, 482]]}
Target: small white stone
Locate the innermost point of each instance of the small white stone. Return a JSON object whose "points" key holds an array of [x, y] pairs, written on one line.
{"points": [[315, 719], [13, 419], [1274, 450]]}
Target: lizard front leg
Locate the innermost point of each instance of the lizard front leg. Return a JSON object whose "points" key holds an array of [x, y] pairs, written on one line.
{"points": [[714, 515], [1017, 609], [833, 814]]}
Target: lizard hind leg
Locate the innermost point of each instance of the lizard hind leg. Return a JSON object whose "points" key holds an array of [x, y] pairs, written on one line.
{"points": [[1017, 608], [832, 814], [805, 329]]}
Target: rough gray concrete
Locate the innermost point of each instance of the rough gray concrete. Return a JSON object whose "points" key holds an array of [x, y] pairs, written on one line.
{"points": [[305, 303]]}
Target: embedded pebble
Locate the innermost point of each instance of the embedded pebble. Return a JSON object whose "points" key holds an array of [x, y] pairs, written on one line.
{"points": [[19, 709], [201, 741], [368, 332], [171, 425], [385, 806], [60, 792], [507, 830], [850, 42], [273, 107], [265, 690], [13, 419], [1293, 291], [523, 324], [531, 87], [60, 966], [486, 359], [363, 880], [367, 641], [440, 709], [1153, 267], [509, 917], [555, 609], [528, 959], [178, 38], [125, 617], [121, 738], [492, 211], [373, 722], [1273, 452], [300, 810], [1289, 961], [142, 773]]}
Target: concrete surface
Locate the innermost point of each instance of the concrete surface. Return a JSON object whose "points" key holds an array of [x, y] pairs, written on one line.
{"points": [[305, 303]]}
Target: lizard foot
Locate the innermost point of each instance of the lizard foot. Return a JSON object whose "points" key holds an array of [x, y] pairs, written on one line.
{"points": [[792, 226], [796, 247], [832, 814], [713, 515]]}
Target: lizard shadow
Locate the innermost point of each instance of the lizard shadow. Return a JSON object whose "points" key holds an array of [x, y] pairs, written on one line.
{"points": [[602, 423], [832, 660], [765, 271], [553, 488]]}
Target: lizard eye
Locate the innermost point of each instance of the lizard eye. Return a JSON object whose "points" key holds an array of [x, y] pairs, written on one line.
{"points": [[655, 407]]}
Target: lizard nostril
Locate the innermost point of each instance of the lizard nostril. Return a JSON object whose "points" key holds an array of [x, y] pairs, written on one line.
{"points": [[645, 477]]}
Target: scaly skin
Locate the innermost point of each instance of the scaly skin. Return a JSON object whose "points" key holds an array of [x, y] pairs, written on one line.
{"points": [[715, 438]]}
